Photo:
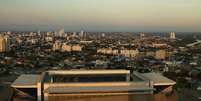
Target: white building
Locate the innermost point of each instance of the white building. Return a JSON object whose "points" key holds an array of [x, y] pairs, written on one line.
{"points": [[172, 35], [48, 38], [142, 35], [61, 33], [81, 34], [124, 52], [129, 53]]}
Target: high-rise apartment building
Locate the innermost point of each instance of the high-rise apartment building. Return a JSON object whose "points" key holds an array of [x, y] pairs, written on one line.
{"points": [[172, 35], [4, 44], [61, 33], [81, 33], [142, 35]]}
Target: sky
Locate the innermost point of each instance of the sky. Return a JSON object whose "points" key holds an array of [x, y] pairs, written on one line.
{"points": [[101, 15]]}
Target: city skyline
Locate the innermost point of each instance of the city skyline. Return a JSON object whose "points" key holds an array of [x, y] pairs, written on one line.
{"points": [[101, 15]]}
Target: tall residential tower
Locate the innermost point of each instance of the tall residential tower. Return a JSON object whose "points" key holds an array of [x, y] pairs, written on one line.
{"points": [[4, 44], [172, 35]]}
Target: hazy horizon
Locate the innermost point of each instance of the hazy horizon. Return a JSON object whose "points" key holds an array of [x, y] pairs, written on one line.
{"points": [[101, 15]]}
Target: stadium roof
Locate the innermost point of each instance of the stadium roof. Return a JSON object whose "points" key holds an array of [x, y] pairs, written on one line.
{"points": [[158, 79], [26, 81]]}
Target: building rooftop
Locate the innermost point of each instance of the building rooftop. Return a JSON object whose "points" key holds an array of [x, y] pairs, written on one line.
{"points": [[95, 89], [46, 84], [158, 79], [26, 81], [88, 72]]}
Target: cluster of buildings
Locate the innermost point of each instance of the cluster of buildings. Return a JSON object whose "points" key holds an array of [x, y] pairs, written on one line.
{"points": [[158, 54], [64, 47], [105, 47], [37, 52], [123, 52]]}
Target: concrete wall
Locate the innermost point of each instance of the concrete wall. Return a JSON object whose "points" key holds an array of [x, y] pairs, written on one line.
{"points": [[130, 84], [40, 87]]}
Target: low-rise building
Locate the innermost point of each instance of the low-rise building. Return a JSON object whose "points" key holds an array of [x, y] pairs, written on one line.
{"points": [[56, 84]]}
